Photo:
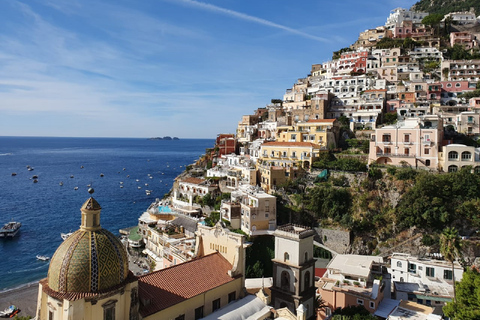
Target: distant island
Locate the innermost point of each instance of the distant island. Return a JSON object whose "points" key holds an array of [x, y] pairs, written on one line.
{"points": [[164, 138]]}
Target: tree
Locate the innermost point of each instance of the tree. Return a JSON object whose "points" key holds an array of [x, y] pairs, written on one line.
{"points": [[467, 304], [450, 248], [433, 20]]}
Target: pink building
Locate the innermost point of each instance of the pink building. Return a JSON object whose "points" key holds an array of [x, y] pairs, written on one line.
{"points": [[465, 39], [414, 142], [353, 61]]}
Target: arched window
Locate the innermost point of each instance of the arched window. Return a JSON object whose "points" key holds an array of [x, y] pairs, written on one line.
{"points": [[452, 168], [306, 256], [286, 257], [466, 156], [285, 281], [306, 281], [399, 264], [453, 155]]}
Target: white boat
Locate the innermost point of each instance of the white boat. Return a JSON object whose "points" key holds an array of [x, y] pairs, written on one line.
{"points": [[65, 235], [147, 192], [43, 258]]}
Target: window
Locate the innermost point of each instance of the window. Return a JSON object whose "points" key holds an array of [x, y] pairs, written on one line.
{"points": [[232, 296], [306, 280], [457, 85], [430, 272], [426, 151], [399, 264], [109, 310], [50, 315], [412, 268], [306, 256], [215, 304], [360, 302], [286, 257], [453, 155], [466, 156], [180, 317], [447, 274], [199, 313], [406, 138], [372, 305], [285, 281], [452, 168], [386, 138]]}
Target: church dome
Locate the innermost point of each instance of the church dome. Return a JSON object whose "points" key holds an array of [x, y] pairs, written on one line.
{"points": [[91, 260]]}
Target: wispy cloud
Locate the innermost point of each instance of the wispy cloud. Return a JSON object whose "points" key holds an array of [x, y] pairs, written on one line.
{"points": [[246, 17]]}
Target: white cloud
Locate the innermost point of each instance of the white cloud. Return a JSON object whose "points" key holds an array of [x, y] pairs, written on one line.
{"points": [[246, 17]]}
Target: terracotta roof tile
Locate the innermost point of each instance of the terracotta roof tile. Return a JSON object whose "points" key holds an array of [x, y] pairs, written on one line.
{"points": [[167, 287], [322, 120], [193, 180]]}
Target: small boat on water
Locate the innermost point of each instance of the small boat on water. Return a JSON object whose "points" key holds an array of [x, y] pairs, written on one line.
{"points": [[35, 180], [61, 183], [76, 188], [65, 235], [71, 176], [14, 174], [10, 229], [148, 192], [30, 169], [43, 258], [81, 167], [9, 312], [101, 174]]}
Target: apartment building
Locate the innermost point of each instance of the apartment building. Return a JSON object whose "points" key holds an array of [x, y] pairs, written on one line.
{"points": [[247, 128], [187, 189], [323, 132], [462, 70], [398, 15], [413, 141], [258, 211], [426, 281], [350, 280], [464, 39]]}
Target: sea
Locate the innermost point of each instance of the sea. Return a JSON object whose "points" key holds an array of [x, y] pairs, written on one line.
{"points": [[66, 168]]}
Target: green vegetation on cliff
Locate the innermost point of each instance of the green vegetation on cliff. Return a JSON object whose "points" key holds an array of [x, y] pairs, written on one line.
{"points": [[445, 6]]}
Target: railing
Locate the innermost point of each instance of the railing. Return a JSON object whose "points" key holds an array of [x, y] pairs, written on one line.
{"points": [[397, 155]]}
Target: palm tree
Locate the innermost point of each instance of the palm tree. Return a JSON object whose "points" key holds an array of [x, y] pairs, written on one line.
{"points": [[450, 248]]}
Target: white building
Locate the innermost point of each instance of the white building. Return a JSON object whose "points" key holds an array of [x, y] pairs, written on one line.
{"points": [[398, 15], [423, 280]]}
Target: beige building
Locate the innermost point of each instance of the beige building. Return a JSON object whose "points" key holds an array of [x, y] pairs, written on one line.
{"points": [[294, 270], [455, 156], [258, 212]]}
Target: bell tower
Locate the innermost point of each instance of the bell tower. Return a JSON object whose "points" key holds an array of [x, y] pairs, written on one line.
{"points": [[294, 270]]}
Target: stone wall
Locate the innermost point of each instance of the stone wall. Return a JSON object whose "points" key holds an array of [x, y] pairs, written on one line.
{"points": [[338, 240]]}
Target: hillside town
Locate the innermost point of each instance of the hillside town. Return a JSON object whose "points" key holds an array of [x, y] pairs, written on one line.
{"points": [[394, 90]]}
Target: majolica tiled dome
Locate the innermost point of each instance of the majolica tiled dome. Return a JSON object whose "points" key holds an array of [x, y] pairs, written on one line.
{"points": [[92, 259]]}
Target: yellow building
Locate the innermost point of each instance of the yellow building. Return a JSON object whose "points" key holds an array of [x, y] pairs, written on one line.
{"points": [[289, 153], [88, 277], [319, 131]]}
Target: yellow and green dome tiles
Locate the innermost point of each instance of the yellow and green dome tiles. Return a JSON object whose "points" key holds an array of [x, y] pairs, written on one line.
{"points": [[88, 261]]}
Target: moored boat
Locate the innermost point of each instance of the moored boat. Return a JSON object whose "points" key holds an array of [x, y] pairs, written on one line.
{"points": [[65, 235], [10, 229], [43, 258]]}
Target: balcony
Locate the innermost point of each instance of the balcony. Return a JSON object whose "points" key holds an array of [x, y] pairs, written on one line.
{"points": [[398, 155]]}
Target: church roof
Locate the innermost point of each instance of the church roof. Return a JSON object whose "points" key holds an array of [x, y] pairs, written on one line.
{"points": [[88, 261], [167, 287]]}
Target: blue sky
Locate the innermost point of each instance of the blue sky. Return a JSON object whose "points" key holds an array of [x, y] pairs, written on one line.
{"points": [[144, 68]]}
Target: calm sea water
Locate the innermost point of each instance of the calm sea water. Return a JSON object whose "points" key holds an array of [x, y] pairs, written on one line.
{"points": [[47, 209]]}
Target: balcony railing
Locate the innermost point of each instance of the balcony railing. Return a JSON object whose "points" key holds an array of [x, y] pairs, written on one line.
{"points": [[397, 155]]}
